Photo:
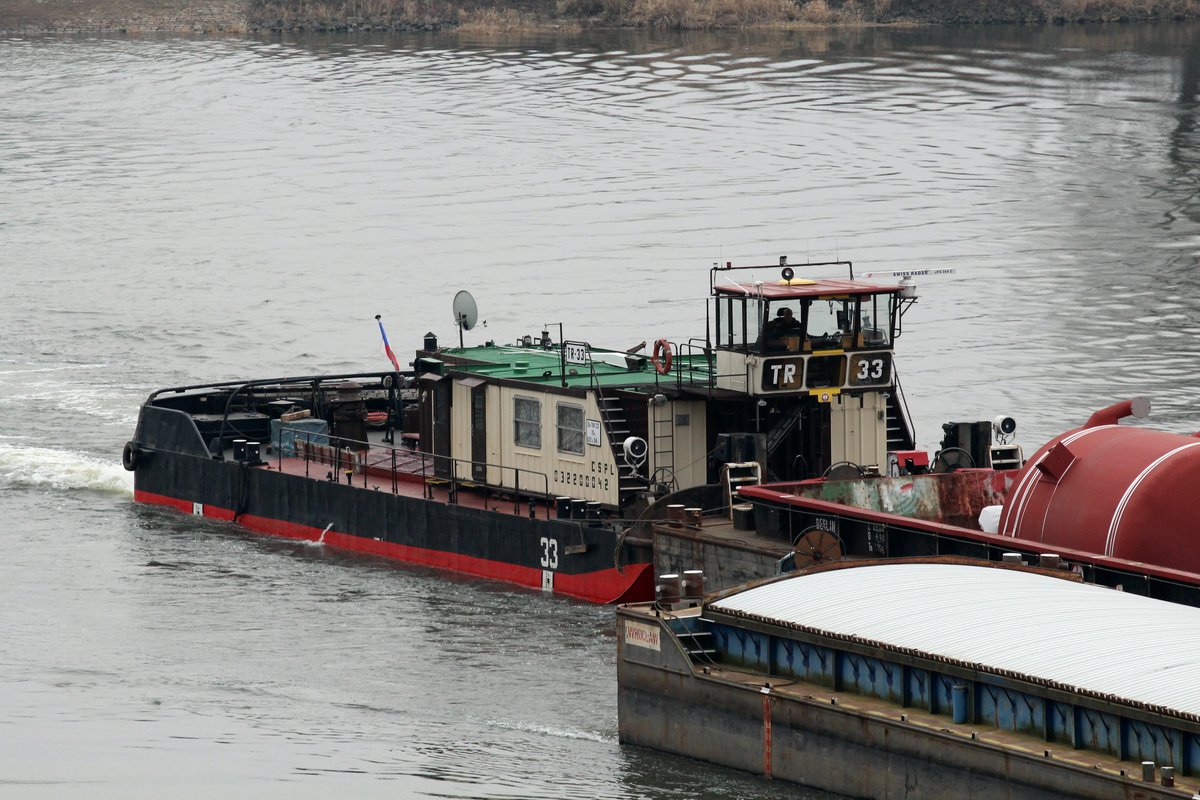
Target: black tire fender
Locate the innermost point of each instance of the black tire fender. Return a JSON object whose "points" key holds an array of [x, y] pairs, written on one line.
{"points": [[129, 456]]}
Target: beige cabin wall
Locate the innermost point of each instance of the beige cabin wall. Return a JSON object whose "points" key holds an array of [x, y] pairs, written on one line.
{"points": [[591, 476], [858, 430]]}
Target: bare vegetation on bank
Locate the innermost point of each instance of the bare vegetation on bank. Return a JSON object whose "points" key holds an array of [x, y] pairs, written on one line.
{"points": [[564, 16], [484, 16], [489, 16]]}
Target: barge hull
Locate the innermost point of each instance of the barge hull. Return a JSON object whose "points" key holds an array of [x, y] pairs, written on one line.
{"points": [[560, 556], [665, 704]]}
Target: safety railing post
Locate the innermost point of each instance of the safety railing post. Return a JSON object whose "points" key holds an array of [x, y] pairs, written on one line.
{"points": [[517, 492]]}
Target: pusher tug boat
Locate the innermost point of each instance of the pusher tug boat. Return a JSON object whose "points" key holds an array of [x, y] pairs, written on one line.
{"points": [[541, 462]]}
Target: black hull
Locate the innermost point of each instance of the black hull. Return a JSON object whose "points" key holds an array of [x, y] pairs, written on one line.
{"points": [[568, 557]]}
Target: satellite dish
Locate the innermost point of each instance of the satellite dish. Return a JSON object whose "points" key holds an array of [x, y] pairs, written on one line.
{"points": [[466, 313]]}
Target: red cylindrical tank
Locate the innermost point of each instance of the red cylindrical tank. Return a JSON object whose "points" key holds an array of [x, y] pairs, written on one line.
{"points": [[1124, 492]]}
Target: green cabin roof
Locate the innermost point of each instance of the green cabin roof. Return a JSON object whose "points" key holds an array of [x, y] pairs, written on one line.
{"points": [[608, 368]]}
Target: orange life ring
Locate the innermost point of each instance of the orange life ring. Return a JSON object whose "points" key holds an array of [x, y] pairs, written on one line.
{"points": [[662, 357]]}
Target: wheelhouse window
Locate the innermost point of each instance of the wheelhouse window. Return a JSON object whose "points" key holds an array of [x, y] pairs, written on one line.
{"points": [[570, 428], [527, 422], [829, 317], [784, 327], [876, 320], [732, 326]]}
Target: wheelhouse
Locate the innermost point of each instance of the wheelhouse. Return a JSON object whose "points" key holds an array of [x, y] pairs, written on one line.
{"points": [[805, 334]]}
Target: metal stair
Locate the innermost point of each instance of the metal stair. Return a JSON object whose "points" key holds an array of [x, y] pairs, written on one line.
{"points": [[783, 427], [900, 433], [617, 424], [698, 641]]}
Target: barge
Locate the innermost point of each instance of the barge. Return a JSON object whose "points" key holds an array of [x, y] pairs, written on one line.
{"points": [[545, 462], [1112, 502], [921, 679]]}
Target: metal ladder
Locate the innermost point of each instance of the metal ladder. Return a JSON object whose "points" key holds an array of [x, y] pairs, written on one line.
{"points": [[698, 641], [734, 475], [663, 431]]}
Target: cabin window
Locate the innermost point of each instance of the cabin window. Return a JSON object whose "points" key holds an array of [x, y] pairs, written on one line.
{"points": [[570, 429], [830, 320], [876, 320], [527, 422], [784, 327], [731, 323]]}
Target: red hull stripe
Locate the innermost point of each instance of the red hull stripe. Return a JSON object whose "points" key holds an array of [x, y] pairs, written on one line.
{"points": [[633, 584]]}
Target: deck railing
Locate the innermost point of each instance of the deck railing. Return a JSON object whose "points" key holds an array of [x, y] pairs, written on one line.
{"points": [[693, 364], [350, 457]]}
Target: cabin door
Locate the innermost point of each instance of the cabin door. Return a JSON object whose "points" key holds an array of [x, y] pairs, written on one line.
{"points": [[479, 433], [815, 439], [441, 428]]}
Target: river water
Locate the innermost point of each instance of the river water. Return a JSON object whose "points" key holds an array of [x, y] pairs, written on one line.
{"points": [[177, 210]]}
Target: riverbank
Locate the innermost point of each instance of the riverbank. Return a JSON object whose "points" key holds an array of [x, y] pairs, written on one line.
{"points": [[124, 16], [267, 16]]}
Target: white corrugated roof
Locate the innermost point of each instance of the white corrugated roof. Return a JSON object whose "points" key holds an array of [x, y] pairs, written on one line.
{"points": [[1081, 635]]}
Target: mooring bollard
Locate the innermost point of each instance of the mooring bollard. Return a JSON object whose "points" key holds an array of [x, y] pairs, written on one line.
{"points": [[666, 591]]}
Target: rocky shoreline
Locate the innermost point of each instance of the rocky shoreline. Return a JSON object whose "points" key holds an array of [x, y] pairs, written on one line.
{"points": [[239, 17]]}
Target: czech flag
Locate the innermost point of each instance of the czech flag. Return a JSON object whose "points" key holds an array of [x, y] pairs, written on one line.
{"points": [[387, 348]]}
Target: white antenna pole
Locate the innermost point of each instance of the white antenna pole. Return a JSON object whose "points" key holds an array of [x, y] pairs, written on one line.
{"points": [[909, 273]]}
